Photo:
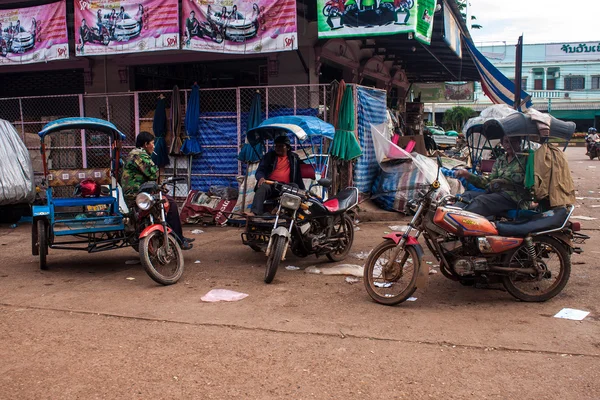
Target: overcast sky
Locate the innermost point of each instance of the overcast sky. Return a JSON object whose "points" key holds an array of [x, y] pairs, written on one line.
{"points": [[540, 21]]}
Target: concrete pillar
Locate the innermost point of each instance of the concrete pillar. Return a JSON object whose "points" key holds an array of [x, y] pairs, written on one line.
{"points": [[545, 78]]}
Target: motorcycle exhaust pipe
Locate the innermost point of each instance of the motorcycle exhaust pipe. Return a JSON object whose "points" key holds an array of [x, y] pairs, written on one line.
{"points": [[506, 270]]}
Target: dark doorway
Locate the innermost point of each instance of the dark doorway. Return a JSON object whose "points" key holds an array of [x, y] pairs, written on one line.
{"points": [[42, 83]]}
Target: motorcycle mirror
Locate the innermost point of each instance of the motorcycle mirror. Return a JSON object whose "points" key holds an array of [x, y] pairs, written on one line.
{"points": [[325, 182]]}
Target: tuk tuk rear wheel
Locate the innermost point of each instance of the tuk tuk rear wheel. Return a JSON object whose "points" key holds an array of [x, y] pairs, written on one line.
{"points": [[42, 241]]}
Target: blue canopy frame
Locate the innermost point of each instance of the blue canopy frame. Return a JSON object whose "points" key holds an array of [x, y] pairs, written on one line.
{"points": [[97, 124], [303, 127]]}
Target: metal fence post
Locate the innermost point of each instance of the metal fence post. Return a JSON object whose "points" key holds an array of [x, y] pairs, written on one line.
{"points": [[295, 104], [267, 102], [325, 104], [136, 110], [22, 119], [83, 145], [238, 106]]}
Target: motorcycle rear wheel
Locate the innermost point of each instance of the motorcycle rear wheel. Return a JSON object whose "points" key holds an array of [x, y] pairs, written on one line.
{"points": [[529, 288], [342, 252], [379, 286], [274, 258], [161, 272]]}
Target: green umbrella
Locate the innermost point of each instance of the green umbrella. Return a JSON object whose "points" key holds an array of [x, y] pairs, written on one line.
{"points": [[345, 146]]}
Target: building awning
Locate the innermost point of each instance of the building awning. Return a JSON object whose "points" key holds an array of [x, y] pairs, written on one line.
{"points": [[575, 114]]}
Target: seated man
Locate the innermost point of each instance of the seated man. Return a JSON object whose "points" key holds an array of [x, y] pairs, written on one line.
{"points": [[139, 168], [279, 164], [505, 188]]}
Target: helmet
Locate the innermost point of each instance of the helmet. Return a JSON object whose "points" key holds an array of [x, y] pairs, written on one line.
{"points": [[592, 130], [87, 188]]}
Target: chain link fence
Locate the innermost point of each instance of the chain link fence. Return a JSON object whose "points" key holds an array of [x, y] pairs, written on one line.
{"points": [[223, 119]]}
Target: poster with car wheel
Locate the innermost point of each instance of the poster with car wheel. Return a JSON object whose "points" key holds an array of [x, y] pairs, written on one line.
{"points": [[34, 34], [239, 26], [364, 18], [126, 26]]}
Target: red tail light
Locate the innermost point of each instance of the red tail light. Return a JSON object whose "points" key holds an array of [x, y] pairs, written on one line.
{"points": [[575, 226]]}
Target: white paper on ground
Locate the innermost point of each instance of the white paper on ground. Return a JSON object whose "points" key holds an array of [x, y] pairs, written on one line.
{"points": [[292, 268], [571, 313], [341, 269], [363, 255], [399, 228], [583, 218], [352, 279], [197, 231], [411, 299], [223, 295]]}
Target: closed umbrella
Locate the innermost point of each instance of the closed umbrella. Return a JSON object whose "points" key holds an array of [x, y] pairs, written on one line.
{"points": [[176, 140], [159, 126], [191, 143], [249, 153], [345, 146]]}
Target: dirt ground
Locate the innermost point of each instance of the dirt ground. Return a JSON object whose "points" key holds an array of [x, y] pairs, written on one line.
{"points": [[85, 330]]}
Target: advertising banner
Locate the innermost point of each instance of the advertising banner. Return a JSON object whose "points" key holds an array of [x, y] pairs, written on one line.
{"points": [[241, 27], [34, 34], [580, 51], [452, 32], [364, 18], [125, 26], [444, 92]]}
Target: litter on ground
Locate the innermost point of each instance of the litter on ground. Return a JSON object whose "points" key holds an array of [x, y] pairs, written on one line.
{"points": [[398, 228], [292, 268], [363, 255], [411, 299], [130, 278], [572, 314], [197, 262], [223, 295], [432, 271], [341, 269], [352, 280], [197, 231]]}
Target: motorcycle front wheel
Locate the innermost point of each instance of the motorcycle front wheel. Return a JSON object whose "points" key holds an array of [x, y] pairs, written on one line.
{"points": [[555, 263], [163, 267], [218, 38], [391, 283], [275, 256], [342, 226]]}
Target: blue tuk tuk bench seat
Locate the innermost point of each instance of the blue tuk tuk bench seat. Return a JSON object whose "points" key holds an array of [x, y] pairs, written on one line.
{"points": [[72, 177], [83, 201]]}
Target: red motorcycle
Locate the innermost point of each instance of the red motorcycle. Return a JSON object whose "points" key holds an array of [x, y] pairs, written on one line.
{"points": [[530, 257], [334, 7]]}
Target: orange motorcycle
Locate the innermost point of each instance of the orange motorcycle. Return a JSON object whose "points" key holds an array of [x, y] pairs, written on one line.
{"points": [[530, 256]]}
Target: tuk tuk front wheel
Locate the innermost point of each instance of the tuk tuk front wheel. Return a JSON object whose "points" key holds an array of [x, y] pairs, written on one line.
{"points": [[275, 257], [42, 243]]}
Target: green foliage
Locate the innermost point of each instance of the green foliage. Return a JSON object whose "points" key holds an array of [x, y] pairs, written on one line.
{"points": [[455, 118], [462, 7]]}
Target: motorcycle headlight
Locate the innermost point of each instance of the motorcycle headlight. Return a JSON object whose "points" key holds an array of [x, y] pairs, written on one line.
{"points": [[290, 201], [144, 201]]}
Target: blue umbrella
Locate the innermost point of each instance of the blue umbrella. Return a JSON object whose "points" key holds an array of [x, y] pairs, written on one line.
{"points": [[249, 153], [159, 126], [191, 143]]}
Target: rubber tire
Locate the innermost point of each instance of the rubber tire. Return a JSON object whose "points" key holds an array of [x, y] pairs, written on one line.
{"points": [[218, 38], [274, 258], [149, 268], [326, 10], [255, 248], [368, 274], [339, 257], [563, 254], [42, 243]]}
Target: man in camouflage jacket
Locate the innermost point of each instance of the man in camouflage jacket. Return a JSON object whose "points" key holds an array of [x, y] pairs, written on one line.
{"points": [[138, 169], [505, 188]]}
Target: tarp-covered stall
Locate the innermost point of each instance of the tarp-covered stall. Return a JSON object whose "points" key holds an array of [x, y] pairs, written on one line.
{"points": [[16, 172]]}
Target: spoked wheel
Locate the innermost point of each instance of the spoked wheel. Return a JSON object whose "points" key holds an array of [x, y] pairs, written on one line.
{"points": [[42, 241], [275, 257], [554, 263], [343, 228], [391, 282], [164, 267]]}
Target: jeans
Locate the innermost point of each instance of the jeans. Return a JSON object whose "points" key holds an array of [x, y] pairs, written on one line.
{"points": [[173, 218], [487, 204]]}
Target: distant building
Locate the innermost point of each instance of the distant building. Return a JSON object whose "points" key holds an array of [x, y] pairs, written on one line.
{"points": [[562, 78]]}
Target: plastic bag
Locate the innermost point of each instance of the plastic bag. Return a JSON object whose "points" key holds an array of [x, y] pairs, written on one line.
{"points": [[223, 295], [16, 173]]}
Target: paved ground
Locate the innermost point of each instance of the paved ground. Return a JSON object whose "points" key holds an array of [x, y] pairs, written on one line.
{"points": [[83, 330]]}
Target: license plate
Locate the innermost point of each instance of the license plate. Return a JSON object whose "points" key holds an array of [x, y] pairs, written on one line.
{"points": [[101, 207]]}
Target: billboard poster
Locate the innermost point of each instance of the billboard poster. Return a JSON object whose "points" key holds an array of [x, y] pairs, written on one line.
{"points": [[425, 13], [365, 18], [125, 26], [444, 92], [34, 34], [452, 32], [239, 26]]}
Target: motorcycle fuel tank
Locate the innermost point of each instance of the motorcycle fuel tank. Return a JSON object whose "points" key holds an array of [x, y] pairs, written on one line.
{"points": [[463, 223]]}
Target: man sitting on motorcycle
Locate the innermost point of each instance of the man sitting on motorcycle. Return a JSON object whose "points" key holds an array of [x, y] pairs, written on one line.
{"points": [[590, 139], [279, 164], [505, 188], [139, 169]]}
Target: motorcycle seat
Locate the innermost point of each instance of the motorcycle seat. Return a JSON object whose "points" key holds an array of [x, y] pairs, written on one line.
{"points": [[342, 201], [541, 222]]}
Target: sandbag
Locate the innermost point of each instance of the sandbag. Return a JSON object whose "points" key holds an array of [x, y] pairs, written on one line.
{"points": [[16, 172]]}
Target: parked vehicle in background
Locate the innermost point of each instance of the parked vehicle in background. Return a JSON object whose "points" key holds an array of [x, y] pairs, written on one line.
{"points": [[439, 136]]}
